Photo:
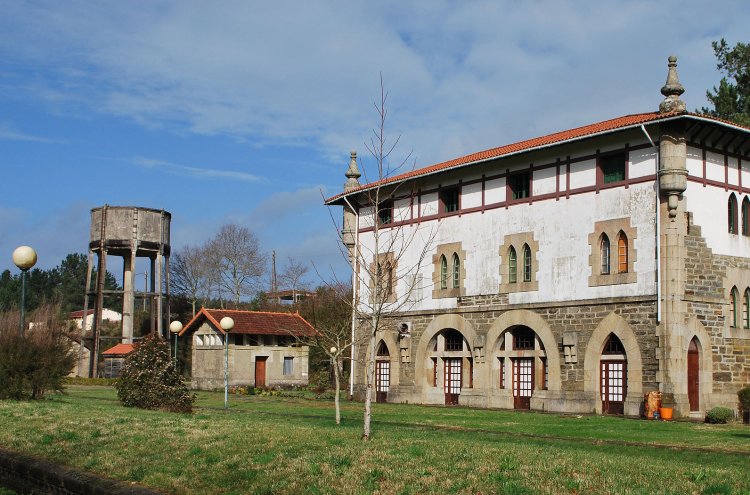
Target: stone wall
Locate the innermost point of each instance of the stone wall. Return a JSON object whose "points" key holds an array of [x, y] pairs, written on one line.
{"points": [[580, 317], [25, 474], [709, 278]]}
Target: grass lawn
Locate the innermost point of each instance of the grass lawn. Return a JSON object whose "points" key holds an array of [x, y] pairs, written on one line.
{"points": [[292, 445]]}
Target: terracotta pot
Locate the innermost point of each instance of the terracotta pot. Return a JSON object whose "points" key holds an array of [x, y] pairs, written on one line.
{"points": [[665, 413]]}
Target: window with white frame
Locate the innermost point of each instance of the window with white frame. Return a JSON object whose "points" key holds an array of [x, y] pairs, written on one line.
{"points": [[288, 366]]}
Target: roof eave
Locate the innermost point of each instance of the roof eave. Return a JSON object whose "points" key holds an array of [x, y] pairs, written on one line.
{"points": [[338, 200]]}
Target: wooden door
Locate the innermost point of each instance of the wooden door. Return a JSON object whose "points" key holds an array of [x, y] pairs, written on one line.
{"points": [[452, 382], [260, 371], [693, 376], [382, 380], [523, 382], [613, 380]]}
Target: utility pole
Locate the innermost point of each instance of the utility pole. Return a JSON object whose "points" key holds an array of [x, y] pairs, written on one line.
{"points": [[274, 285], [145, 288]]}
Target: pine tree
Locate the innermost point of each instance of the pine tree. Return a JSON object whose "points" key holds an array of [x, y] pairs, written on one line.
{"points": [[731, 100]]}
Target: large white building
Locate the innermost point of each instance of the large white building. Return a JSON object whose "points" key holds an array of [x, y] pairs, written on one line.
{"points": [[570, 272]]}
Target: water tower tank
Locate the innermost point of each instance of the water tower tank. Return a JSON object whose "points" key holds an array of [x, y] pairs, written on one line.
{"points": [[129, 232]]}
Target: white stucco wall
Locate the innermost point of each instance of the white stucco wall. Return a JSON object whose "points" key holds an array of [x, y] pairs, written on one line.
{"points": [[709, 208], [561, 227]]}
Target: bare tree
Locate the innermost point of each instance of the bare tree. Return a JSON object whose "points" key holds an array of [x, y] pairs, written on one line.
{"points": [[385, 279], [293, 276], [188, 273], [241, 263], [329, 312]]}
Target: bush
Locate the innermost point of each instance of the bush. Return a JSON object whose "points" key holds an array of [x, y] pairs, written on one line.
{"points": [[744, 397], [149, 379], [37, 361], [719, 415]]}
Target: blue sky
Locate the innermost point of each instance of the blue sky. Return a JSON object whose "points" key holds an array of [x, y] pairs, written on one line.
{"points": [[245, 112]]}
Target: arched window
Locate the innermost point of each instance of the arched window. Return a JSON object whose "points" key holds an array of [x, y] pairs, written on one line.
{"points": [[526, 263], [388, 280], [456, 271], [746, 216], [733, 296], [746, 309], [605, 254], [443, 272], [383, 350], [732, 214], [512, 265], [622, 253]]}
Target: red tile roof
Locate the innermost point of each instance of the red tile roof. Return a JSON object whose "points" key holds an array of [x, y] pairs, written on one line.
{"points": [[119, 350], [253, 322], [577, 133], [79, 313]]}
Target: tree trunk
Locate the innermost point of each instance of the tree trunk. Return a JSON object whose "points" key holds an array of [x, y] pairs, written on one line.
{"points": [[370, 381], [336, 399]]}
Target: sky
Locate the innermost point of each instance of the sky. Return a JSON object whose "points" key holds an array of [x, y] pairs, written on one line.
{"points": [[245, 112]]}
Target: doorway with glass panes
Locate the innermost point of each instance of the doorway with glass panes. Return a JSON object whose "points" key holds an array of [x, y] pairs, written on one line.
{"points": [[451, 363], [522, 364]]}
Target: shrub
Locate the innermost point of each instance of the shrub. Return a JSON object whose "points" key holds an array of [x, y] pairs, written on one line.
{"points": [[719, 415], [37, 361], [744, 397], [149, 379]]}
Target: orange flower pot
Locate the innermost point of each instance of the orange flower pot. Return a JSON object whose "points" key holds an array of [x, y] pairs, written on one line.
{"points": [[665, 413]]}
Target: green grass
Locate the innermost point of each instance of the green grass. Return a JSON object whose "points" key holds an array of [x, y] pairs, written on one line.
{"points": [[292, 445]]}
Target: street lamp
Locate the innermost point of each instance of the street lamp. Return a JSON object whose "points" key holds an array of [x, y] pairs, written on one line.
{"points": [[226, 324], [175, 327], [24, 258]]}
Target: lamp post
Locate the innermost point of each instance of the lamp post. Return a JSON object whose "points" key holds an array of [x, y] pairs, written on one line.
{"points": [[175, 327], [226, 324], [24, 258]]}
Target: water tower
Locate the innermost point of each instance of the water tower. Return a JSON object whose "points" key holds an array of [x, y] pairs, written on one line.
{"points": [[129, 232]]}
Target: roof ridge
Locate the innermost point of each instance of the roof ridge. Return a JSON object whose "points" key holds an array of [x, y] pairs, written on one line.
{"points": [[256, 312]]}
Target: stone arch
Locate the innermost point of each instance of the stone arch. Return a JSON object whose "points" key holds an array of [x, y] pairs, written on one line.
{"points": [[524, 317], [697, 330], [390, 342], [614, 324], [437, 325]]}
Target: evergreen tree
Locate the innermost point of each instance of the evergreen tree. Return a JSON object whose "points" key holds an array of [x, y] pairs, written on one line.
{"points": [[731, 100]]}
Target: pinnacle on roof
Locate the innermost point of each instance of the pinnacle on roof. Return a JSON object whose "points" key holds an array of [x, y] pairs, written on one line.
{"points": [[352, 173], [672, 90]]}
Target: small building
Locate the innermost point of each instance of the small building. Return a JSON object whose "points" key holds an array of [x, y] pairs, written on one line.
{"points": [[114, 359], [265, 349], [76, 317]]}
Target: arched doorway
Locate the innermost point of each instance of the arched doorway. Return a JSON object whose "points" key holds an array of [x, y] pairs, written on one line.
{"points": [[613, 376], [451, 363], [693, 375], [522, 364], [382, 373]]}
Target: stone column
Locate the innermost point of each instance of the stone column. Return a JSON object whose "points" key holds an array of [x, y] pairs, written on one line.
{"points": [[128, 297], [672, 373]]}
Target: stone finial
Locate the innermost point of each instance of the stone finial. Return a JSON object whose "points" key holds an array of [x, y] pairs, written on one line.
{"points": [[672, 90], [352, 173]]}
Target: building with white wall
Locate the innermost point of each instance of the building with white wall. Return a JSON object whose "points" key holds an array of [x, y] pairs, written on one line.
{"points": [[570, 272]]}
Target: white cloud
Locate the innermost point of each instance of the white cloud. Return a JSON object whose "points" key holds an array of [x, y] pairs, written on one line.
{"points": [[462, 77], [9, 133], [196, 172]]}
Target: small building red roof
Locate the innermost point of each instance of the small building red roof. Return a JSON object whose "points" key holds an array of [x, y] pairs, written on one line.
{"points": [[119, 350], [253, 322]]}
